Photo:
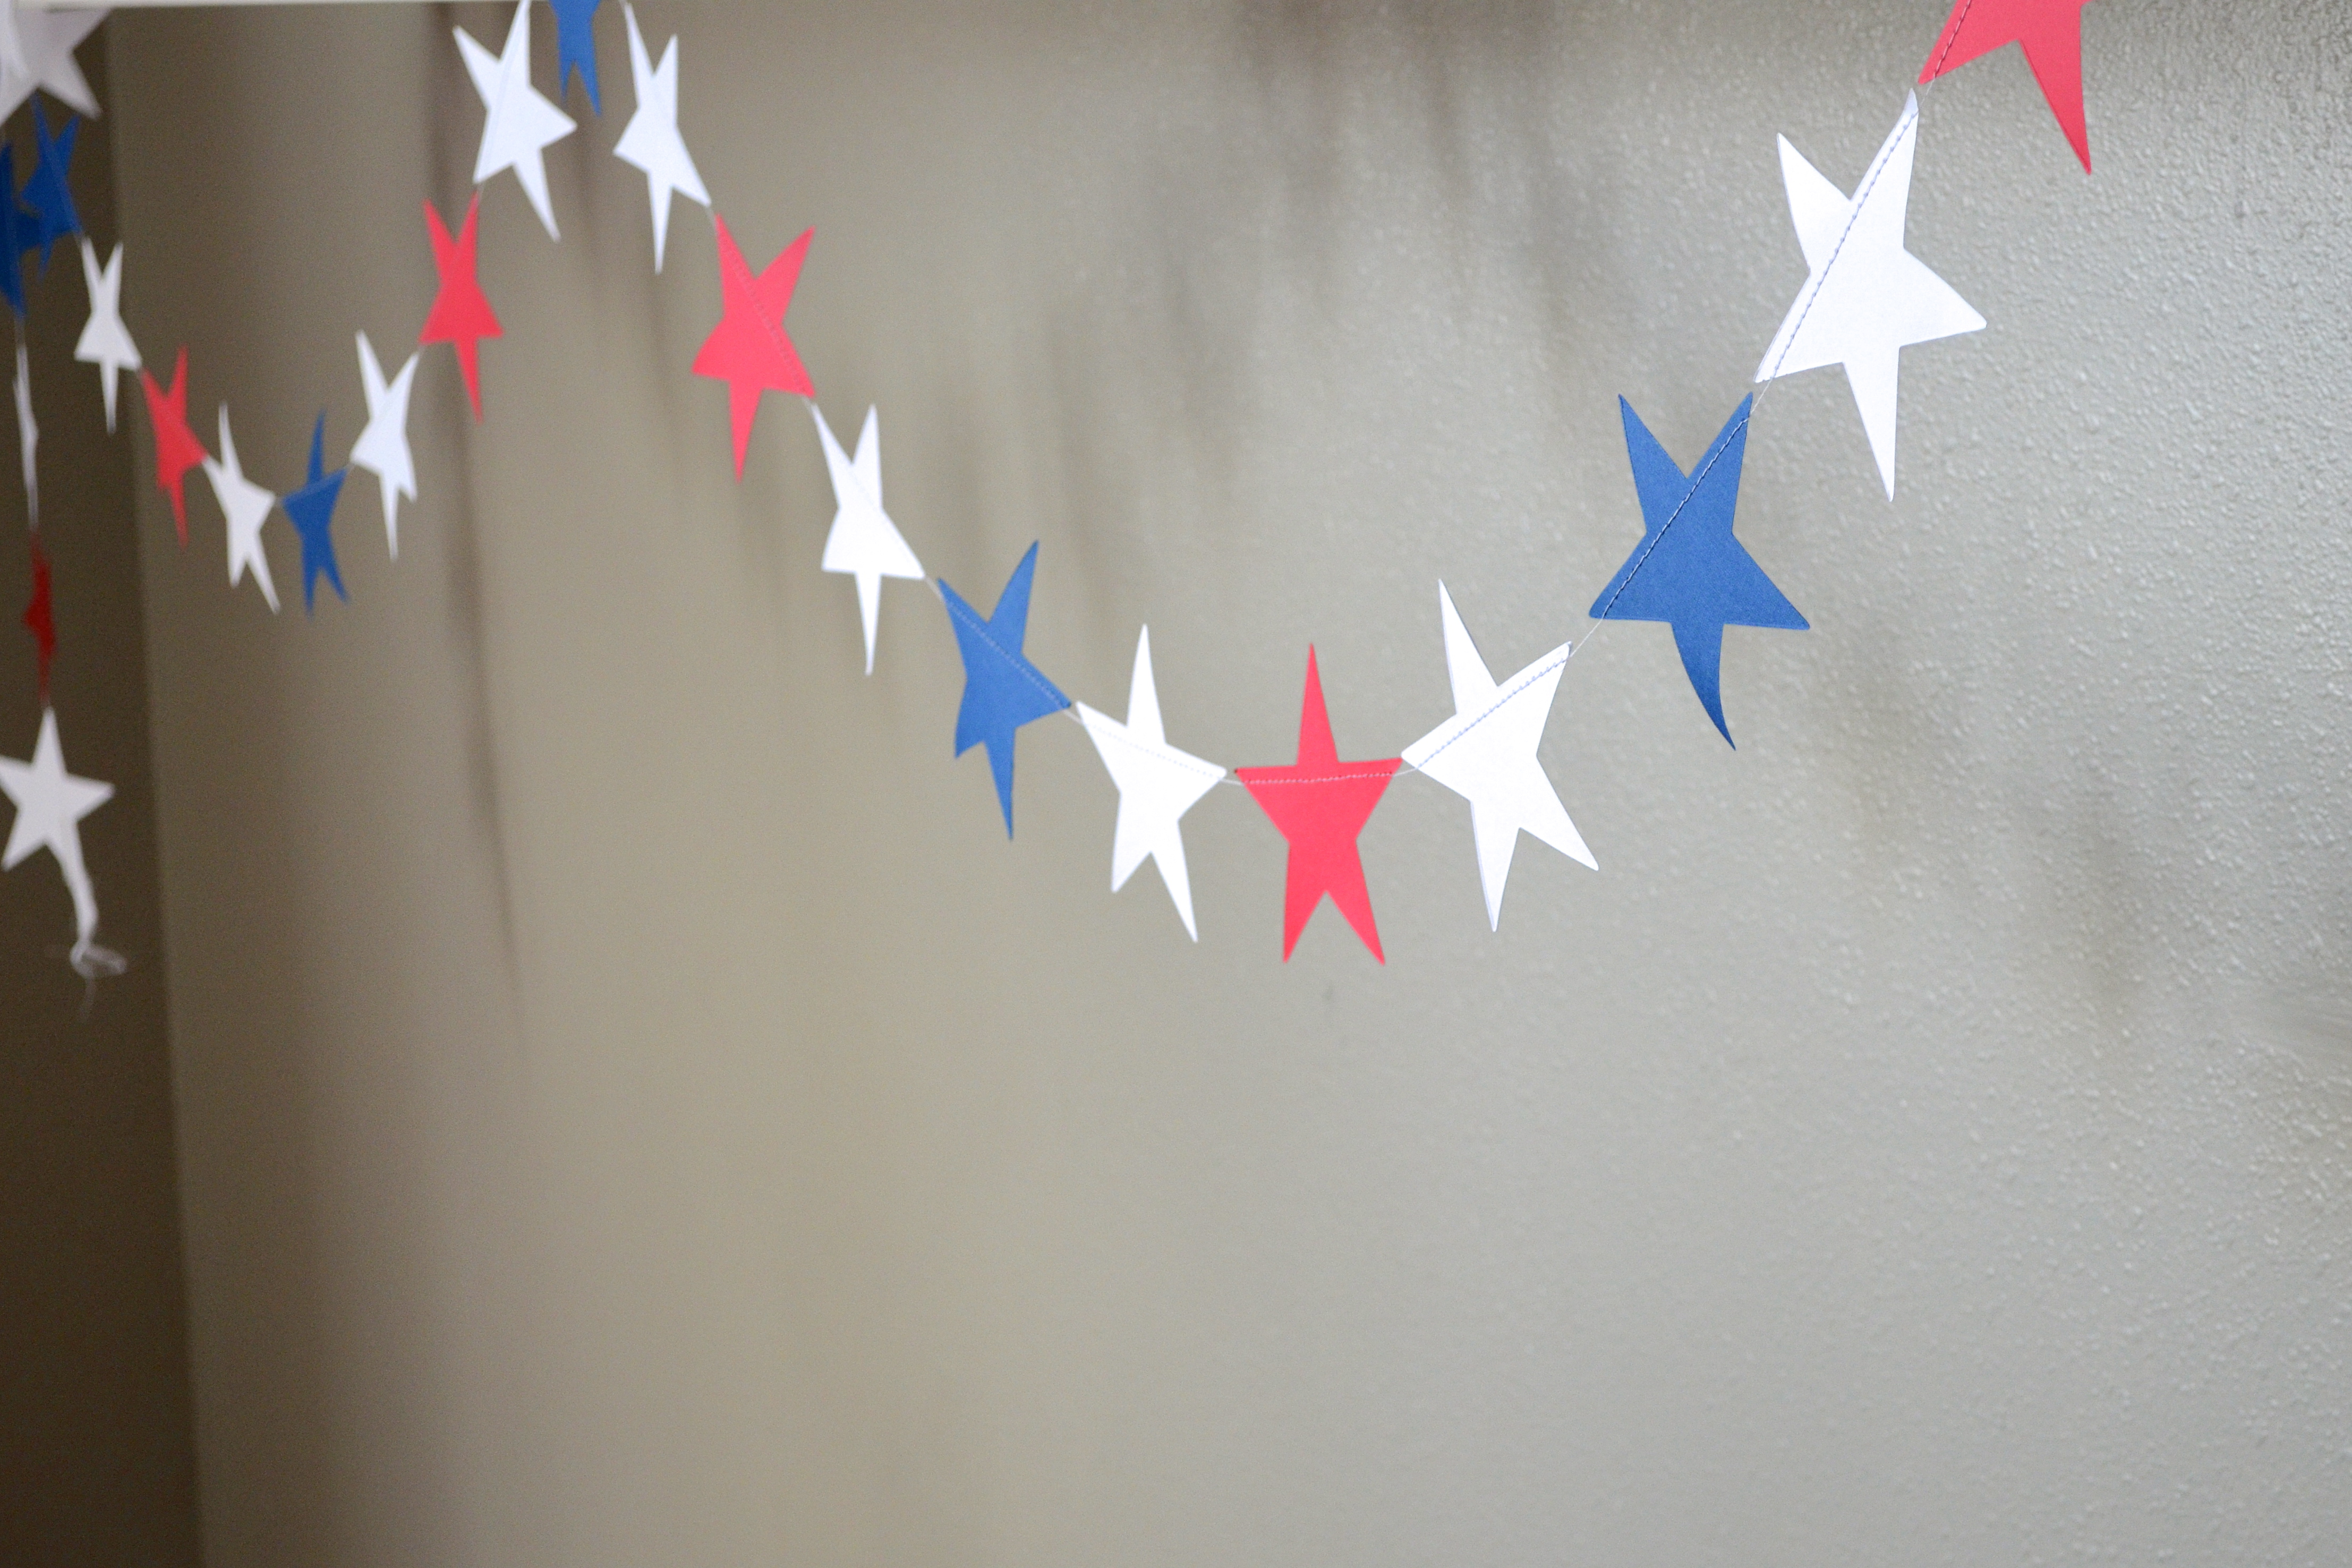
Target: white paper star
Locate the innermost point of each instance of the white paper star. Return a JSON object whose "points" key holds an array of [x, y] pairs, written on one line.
{"points": [[382, 447], [1867, 297], [50, 804], [105, 341], [247, 506], [652, 142], [1157, 785], [864, 542], [518, 122], [1487, 755], [28, 436], [37, 50]]}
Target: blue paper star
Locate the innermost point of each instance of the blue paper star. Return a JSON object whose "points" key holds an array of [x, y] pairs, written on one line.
{"points": [[19, 232], [1688, 570], [312, 511], [46, 190], [1001, 689], [575, 45]]}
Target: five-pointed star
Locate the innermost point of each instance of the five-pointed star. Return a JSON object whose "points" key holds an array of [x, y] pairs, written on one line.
{"points": [[176, 448], [1866, 297], [105, 341], [45, 41], [461, 313], [1157, 785], [247, 506], [864, 542], [1688, 570], [40, 615], [1487, 755], [575, 47], [651, 141], [28, 435], [20, 232], [517, 122], [1320, 804], [49, 190], [51, 804], [748, 348], [2051, 33], [311, 509], [1001, 689], [382, 447]]}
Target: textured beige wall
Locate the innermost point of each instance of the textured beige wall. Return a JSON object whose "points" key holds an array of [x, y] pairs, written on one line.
{"points": [[97, 1467], [636, 1107]]}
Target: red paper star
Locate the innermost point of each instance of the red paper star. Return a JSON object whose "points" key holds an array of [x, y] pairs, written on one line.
{"points": [[1320, 804], [748, 348], [2052, 34], [39, 617], [176, 448], [461, 314]]}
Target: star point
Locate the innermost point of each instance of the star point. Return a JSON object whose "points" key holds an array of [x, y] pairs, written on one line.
{"points": [[246, 505], [1001, 689], [382, 447], [105, 341], [518, 123], [1320, 804], [748, 349], [2050, 32], [575, 47], [1487, 755], [1689, 571], [1866, 297], [1157, 785], [461, 314], [48, 189], [865, 543], [651, 141]]}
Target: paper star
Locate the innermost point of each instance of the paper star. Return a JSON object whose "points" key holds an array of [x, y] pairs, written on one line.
{"points": [[382, 447], [246, 507], [1321, 803], [1487, 755], [1866, 297], [46, 41], [40, 615], [651, 142], [748, 348], [48, 189], [1001, 689], [51, 804], [311, 509], [19, 232], [1157, 785], [575, 46], [28, 435], [176, 448], [461, 313], [2051, 33], [518, 121], [1688, 570], [864, 542], [105, 341]]}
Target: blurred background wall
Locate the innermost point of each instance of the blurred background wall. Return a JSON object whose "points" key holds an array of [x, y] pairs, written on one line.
{"points": [[636, 1107], [97, 1467]]}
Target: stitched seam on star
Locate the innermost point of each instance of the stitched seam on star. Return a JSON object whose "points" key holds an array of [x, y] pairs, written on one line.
{"points": [[1496, 707], [775, 329], [1020, 663], [1184, 761]]}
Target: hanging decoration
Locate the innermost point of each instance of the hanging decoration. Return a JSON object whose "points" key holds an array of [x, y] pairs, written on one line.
{"points": [[1866, 298], [1001, 689]]}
